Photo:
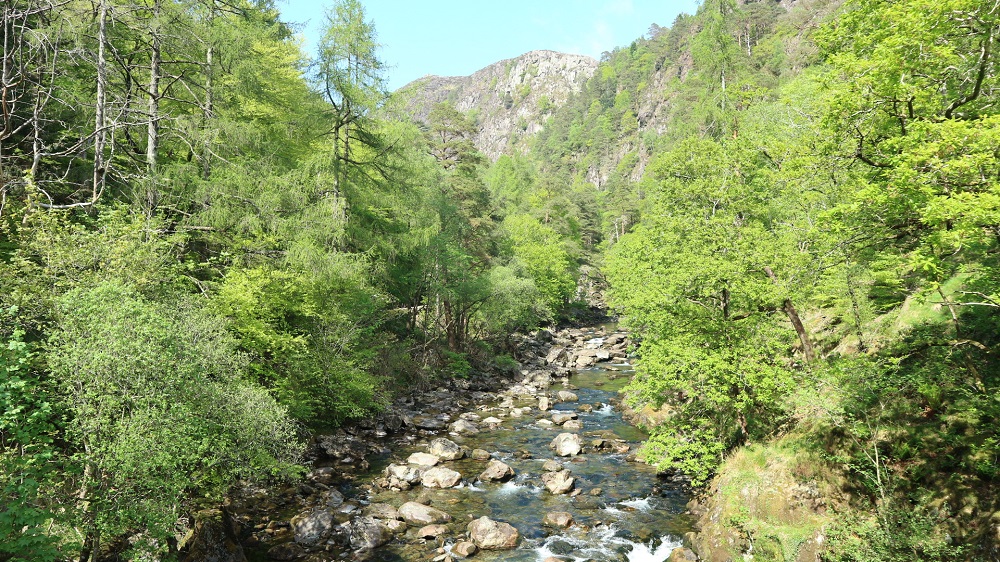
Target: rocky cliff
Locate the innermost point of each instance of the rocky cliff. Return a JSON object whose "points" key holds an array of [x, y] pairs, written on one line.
{"points": [[510, 99]]}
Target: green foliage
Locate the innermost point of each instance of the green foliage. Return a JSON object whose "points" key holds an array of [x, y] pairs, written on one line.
{"points": [[160, 411], [28, 424], [538, 246]]}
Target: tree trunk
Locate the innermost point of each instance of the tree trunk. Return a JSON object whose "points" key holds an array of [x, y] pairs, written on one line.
{"points": [[100, 120], [153, 128], [793, 317]]}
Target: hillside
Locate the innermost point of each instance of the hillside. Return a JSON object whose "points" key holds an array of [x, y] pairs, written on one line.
{"points": [[510, 99]]}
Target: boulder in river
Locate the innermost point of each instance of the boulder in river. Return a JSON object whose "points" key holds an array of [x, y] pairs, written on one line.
{"points": [[418, 514], [567, 444], [423, 459], [312, 527], [368, 533], [560, 519], [567, 396], [464, 549], [428, 423], [552, 466], [446, 449], [560, 418], [558, 482], [432, 531], [405, 473], [574, 425], [497, 471], [464, 427], [544, 403], [381, 511], [480, 454], [493, 535], [440, 477]]}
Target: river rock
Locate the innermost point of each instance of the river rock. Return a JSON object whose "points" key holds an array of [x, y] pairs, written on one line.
{"points": [[214, 537], [404, 473], [471, 416], [493, 535], [440, 477], [552, 466], [566, 444], [603, 355], [492, 421], [418, 514], [560, 418], [681, 554], [334, 499], [560, 519], [423, 459], [312, 527], [497, 471], [584, 361], [555, 354], [432, 531], [558, 482], [544, 403], [446, 449], [464, 549], [464, 427], [428, 423], [368, 533], [381, 511], [573, 425], [480, 455], [544, 423], [567, 396]]}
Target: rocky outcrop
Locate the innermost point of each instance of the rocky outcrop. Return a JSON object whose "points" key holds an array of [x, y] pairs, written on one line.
{"points": [[512, 98]]}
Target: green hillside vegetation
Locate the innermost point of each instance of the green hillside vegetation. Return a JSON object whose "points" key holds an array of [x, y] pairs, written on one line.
{"points": [[797, 212], [211, 247]]}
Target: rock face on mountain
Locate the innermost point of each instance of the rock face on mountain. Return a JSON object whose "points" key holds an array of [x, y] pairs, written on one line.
{"points": [[510, 99]]}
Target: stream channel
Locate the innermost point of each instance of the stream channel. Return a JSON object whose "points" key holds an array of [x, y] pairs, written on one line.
{"points": [[622, 510]]}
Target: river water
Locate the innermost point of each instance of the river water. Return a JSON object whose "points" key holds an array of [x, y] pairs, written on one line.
{"points": [[624, 511]]}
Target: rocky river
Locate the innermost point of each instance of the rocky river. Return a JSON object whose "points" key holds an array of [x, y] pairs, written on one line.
{"points": [[537, 466]]}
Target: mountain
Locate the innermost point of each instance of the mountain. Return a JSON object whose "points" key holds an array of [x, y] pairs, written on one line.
{"points": [[510, 99]]}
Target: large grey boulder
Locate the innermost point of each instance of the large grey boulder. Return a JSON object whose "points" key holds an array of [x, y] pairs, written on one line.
{"points": [[312, 527], [440, 477], [567, 444], [368, 533], [497, 471], [493, 535], [558, 482], [445, 449], [418, 514]]}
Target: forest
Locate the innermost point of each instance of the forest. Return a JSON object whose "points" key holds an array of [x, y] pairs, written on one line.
{"points": [[214, 246]]}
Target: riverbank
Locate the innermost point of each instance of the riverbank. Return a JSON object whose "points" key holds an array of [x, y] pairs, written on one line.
{"points": [[433, 451]]}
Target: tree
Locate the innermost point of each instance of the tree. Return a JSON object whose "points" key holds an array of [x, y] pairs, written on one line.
{"points": [[159, 410]]}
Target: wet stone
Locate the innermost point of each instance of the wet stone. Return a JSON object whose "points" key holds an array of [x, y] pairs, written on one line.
{"points": [[480, 454]]}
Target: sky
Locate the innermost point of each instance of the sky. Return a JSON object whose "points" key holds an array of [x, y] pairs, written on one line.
{"points": [[458, 37]]}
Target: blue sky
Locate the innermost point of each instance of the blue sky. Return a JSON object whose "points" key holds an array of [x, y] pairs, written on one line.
{"points": [[458, 37]]}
